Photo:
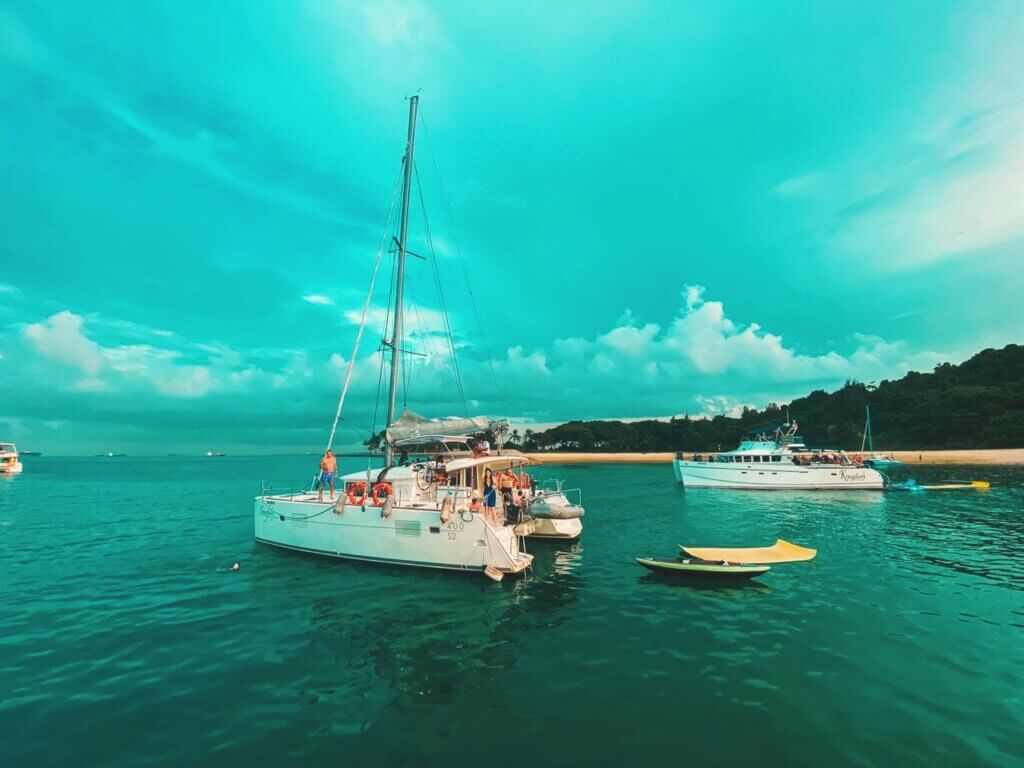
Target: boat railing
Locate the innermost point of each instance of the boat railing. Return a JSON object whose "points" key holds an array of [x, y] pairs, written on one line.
{"points": [[268, 488], [552, 487], [697, 456]]}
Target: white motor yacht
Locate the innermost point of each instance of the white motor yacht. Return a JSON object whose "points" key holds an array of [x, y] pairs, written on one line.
{"points": [[772, 458], [9, 459]]}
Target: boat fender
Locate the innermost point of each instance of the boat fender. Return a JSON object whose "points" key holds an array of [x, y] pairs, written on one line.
{"points": [[382, 491], [385, 511], [446, 509], [356, 494], [339, 505]]}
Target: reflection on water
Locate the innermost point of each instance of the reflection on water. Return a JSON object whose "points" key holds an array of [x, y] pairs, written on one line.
{"points": [[898, 644]]}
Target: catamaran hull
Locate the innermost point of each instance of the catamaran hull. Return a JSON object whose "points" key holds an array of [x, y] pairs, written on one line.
{"points": [[408, 537], [701, 474]]}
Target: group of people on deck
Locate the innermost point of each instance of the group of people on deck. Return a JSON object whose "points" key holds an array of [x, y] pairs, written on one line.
{"points": [[515, 490]]}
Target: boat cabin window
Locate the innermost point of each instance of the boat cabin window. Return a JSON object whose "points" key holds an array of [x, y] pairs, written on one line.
{"points": [[746, 458], [776, 458]]}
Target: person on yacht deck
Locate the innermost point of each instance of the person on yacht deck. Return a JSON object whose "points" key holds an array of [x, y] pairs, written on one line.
{"points": [[513, 508], [507, 481], [328, 471], [525, 481], [490, 497], [440, 471]]}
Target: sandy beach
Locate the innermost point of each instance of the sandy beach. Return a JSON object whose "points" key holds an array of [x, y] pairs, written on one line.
{"points": [[986, 456]]}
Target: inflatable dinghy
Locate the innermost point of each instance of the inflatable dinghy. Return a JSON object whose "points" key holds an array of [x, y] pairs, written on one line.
{"points": [[704, 569], [556, 511]]}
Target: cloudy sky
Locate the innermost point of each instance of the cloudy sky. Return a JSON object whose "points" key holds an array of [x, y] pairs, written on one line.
{"points": [[661, 208]]}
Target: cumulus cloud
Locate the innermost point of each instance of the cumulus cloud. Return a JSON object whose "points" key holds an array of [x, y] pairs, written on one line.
{"points": [[700, 361], [60, 338]]}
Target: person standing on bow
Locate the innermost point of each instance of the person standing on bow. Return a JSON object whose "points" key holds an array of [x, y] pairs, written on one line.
{"points": [[328, 471]]}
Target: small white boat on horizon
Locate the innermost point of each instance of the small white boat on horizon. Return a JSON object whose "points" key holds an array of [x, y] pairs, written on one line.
{"points": [[775, 458], [9, 459]]}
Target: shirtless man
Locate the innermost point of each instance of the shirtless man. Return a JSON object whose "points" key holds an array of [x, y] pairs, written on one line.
{"points": [[328, 471], [507, 481]]}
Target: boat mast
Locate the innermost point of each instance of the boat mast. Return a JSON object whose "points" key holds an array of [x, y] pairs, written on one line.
{"points": [[403, 231], [867, 430]]}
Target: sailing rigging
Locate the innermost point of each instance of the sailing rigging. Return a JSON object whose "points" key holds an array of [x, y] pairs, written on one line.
{"points": [[423, 508]]}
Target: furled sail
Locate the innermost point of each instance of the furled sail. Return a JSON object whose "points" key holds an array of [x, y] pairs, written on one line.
{"points": [[411, 424]]}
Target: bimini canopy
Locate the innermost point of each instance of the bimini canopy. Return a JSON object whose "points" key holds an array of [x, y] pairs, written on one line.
{"points": [[410, 425]]}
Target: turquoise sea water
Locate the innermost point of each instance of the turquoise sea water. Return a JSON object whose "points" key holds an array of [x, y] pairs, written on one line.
{"points": [[124, 639]]}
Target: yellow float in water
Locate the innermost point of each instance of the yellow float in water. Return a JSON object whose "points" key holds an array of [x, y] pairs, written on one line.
{"points": [[978, 485], [779, 552]]}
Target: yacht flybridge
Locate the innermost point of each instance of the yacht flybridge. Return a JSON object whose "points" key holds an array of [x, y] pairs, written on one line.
{"points": [[423, 507], [776, 458]]}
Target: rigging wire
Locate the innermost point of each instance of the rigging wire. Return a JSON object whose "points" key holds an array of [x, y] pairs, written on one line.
{"points": [[462, 261], [362, 319], [440, 292]]}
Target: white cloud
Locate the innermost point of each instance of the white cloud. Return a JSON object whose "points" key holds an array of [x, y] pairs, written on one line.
{"points": [[953, 185], [60, 338], [971, 205], [701, 358], [316, 298], [392, 23]]}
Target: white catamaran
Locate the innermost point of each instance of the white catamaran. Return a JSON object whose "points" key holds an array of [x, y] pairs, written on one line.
{"points": [[772, 458], [423, 507]]}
